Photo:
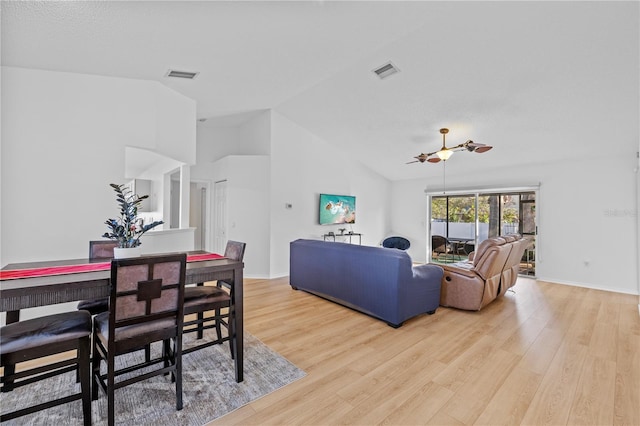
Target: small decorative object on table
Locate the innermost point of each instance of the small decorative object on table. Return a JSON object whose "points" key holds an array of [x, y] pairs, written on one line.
{"points": [[342, 230], [127, 229]]}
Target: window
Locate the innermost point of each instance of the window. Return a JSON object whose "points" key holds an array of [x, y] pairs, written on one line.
{"points": [[460, 221]]}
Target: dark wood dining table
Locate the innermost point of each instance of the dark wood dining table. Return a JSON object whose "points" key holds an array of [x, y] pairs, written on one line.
{"points": [[29, 292]]}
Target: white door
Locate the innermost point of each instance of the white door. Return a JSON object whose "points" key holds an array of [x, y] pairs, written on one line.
{"points": [[220, 216], [198, 214]]}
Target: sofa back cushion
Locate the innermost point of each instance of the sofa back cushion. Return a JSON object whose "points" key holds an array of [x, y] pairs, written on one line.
{"points": [[349, 272]]}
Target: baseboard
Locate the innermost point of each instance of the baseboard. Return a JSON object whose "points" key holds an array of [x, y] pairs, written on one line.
{"points": [[591, 286]]}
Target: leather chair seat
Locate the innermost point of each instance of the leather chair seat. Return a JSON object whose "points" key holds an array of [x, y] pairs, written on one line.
{"points": [[94, 307], [41, 337], [101, 324], [37, 332], [195, 297]]}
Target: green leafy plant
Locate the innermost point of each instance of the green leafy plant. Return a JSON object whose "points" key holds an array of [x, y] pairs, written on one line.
{"points": [[128, 228]]}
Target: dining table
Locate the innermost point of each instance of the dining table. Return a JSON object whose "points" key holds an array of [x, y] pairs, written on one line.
{"points": [[33, 284]]}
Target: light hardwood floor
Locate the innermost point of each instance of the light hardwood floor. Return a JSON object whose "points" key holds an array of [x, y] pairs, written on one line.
{"points": [[547, 354]]}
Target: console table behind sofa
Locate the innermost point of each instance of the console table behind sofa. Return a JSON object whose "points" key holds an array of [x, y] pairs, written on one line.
{"points": [[377, 281]]}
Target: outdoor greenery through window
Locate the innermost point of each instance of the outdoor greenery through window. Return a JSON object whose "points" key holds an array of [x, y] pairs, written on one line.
{"points": [[460, 222]]}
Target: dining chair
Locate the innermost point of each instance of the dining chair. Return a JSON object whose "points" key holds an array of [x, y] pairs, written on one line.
{"points": [[200, 299], [396, 242], [441, 246], [41, 337], [145, 306], [102, 250], [98, 249]]}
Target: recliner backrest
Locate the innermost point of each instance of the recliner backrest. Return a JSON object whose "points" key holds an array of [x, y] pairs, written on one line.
{"points": [[490, 257], [512, 264]]}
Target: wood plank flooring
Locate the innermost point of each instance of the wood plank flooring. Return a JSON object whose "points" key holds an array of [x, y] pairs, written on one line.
{"points": [[547, 354]]}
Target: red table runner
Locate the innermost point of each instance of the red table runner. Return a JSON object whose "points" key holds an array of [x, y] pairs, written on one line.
{"points": [[87, 267]]}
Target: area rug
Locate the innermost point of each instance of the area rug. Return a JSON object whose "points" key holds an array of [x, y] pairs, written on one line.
{"points": [[209, 390]]}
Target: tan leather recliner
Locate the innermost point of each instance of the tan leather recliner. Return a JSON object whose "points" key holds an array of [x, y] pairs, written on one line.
{"points": [[512, 265], [491, 270]]}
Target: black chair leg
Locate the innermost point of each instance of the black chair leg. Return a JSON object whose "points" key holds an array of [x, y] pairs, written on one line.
{"points": [[233, 347], [167, 356], [200, 332], [84, 372], [95, 372], [177, 360], [9, 371], [218, 328], [111, 413]]}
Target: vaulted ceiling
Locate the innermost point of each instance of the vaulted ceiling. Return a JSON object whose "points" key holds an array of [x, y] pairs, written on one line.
{"points": [[540, 81]]}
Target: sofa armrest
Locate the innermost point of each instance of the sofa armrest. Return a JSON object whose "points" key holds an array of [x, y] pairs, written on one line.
{"points": [[427, 271], [420, 293]]}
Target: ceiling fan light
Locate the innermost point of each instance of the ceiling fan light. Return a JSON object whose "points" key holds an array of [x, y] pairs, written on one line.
{"points": [[444, 154]]}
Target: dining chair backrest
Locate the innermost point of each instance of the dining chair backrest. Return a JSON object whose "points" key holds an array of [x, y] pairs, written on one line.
{"points": [[101, 249], [440, 244], [146, 289], [234, 250], [396, 242]]}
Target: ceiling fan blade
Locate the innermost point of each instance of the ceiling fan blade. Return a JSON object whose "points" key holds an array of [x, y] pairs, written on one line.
{"points": [[434, 157], [483, 148], [419, 158]]}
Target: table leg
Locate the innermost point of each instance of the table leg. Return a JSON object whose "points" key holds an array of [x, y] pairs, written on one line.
{"points": [[13, 316], [239, 329], [200, 317], [9, 369]]}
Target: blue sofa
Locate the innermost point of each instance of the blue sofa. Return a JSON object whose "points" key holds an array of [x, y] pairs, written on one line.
{"points": [[377, 281]]}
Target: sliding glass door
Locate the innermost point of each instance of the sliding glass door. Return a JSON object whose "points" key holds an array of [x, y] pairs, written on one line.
{"points": [[453, 227], [460, 221]]}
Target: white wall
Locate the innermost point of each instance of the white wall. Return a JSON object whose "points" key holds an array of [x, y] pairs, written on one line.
{"points": [[586, 209], [220, 138], [174, 118], [299, 166], [247, 179], [302, 167], [248, 185], [63, 141]]}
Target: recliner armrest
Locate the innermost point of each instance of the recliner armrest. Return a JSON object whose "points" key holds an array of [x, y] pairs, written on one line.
{"points": [[461, 270]]}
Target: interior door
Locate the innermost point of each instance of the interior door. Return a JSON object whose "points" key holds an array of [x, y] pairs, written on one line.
{"points": [[220, 216], [198, 214]]}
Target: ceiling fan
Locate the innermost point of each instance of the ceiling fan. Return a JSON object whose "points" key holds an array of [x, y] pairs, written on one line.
{"points": [[445, 153]]}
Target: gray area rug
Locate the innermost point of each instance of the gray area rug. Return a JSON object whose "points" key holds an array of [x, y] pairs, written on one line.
{"points": [[209, 389]]}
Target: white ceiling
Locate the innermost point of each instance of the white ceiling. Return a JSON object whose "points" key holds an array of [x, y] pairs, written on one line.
{"points": [[525, 77]]}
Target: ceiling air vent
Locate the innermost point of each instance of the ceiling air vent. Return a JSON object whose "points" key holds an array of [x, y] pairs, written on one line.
{"points": [[182, 74], [386, 70]]}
